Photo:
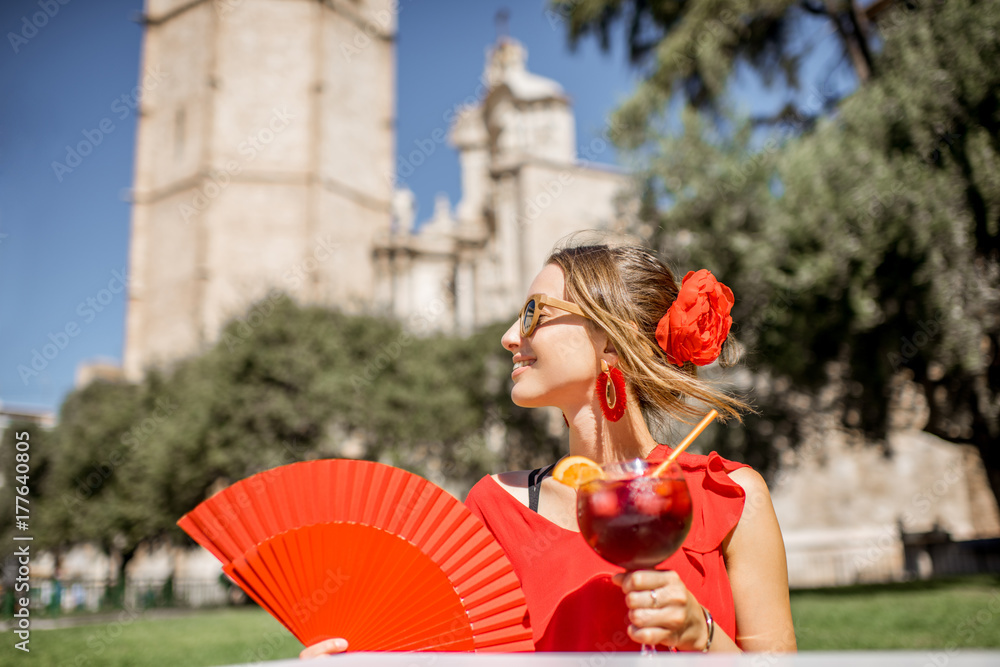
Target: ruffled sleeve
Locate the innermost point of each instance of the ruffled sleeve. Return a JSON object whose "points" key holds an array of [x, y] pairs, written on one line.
{"points": [[718, 500], [719, 506]]}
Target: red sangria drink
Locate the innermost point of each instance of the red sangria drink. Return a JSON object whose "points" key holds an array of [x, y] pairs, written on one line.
{"points": [[633, 520]]}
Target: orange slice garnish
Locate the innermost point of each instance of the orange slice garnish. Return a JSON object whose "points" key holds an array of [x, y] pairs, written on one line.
{"points": [[576, 471]]}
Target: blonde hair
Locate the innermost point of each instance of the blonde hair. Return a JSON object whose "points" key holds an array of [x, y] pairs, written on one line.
{"points": [[625, 290]]}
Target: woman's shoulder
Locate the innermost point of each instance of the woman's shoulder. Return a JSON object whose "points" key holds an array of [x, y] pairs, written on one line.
{"points": [[515, 479], [511, 479], [493, 497], [748, 478], [753, 484], [501, 482]]}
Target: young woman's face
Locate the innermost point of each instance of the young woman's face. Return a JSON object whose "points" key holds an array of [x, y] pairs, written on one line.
{"points": [[559, 362]]}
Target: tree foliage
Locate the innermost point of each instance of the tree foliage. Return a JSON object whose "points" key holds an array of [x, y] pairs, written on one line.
{"points": [[864, 249], [88, 494], [690, 49]]}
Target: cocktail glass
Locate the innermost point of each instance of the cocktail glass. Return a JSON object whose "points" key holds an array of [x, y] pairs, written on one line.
{"points": [[632, 519]]}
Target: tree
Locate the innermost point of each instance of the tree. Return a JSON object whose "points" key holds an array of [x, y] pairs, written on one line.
{"points": [[90, 491], [691, 48], [865, 249]]}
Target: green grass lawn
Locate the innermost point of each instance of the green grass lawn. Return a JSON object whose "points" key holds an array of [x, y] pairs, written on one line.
{"points": [[920, 615], [963, 612], [216, 637]]}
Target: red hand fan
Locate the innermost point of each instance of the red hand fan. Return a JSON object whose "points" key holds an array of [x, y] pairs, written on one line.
{"points": [[368, 552]]}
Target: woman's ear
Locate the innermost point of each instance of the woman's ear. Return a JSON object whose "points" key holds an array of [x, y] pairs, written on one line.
{"points": [[610, 354]]}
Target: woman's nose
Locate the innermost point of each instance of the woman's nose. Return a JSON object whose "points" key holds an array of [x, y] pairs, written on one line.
{"points": [[511, 338]]}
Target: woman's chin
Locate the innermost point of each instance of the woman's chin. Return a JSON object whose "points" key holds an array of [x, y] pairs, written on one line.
{"points": [[525, 399]]}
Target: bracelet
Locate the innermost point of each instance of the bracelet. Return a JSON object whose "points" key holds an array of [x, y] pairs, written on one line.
{"points": [[711, 628]]}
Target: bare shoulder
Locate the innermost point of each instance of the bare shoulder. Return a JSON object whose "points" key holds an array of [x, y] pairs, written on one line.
{"points": [[514, 482], [751, 481], [513, 479], [757, 521]]}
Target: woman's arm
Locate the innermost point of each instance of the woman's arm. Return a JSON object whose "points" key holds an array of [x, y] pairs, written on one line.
{"points": [[758, 574]]}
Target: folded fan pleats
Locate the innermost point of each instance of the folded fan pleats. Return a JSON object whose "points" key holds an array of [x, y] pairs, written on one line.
{"points": [[368, 552]]}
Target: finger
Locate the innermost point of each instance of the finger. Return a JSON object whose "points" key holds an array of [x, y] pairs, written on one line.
{"points": [[666, 619], [644, 580], [639, 580], [646, 599], [325, 647], [665, 597], [649, 636]]}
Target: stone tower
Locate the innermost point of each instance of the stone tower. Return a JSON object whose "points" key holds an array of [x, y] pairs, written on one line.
{"points": [[261, 163]]}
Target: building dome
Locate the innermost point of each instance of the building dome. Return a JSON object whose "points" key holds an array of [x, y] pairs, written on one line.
{"points": [[506, 66]]}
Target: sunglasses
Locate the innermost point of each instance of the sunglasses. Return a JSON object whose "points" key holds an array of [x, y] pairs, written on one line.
{"points": [[533, 307]]}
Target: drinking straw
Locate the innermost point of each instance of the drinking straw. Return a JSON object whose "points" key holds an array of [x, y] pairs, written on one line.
{"points": [[662, 468]]}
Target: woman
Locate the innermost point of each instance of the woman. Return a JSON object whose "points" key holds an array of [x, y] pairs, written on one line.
{"points": [[726, 589]]}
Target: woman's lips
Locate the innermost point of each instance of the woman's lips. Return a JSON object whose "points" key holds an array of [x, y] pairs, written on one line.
{"points": [[521, 366]]}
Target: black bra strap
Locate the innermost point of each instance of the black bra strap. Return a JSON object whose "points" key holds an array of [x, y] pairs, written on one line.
{"points": [[535, 485]]}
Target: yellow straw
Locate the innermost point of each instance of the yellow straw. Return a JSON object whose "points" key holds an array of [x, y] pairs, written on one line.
{"points": [[660, 469]]}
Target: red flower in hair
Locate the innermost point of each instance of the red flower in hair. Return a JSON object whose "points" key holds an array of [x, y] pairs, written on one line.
{"points": [[698, 320]]}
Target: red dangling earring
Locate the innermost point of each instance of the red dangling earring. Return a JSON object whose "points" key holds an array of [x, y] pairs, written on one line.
{"points": [[611, 394]]}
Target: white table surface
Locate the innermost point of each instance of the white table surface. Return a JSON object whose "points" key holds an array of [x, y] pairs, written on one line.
{"points": [[929, 658]]}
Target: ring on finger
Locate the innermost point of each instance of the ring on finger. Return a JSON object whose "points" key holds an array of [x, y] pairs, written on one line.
{"points": [[652, 594]]}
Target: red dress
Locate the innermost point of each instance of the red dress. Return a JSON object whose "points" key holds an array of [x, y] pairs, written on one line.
{"points": [[572, 603]]}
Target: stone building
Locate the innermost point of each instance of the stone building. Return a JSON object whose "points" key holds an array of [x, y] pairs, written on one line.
{"points": [[265, 158]]}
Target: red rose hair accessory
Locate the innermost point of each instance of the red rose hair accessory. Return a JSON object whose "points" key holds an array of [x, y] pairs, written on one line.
{"points": [[698, 321]]}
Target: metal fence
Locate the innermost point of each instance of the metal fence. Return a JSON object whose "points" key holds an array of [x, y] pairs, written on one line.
{"points": [[67, 596]]}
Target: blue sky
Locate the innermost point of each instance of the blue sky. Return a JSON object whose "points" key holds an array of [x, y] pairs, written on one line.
{"points": [[64, 234]]}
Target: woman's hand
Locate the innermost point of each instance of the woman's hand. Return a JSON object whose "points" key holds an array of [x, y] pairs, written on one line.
{"points": [[325, 647], [662, 610]]}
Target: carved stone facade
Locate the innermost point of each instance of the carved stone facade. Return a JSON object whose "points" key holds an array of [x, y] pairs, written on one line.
{"points": [[523, 189]]}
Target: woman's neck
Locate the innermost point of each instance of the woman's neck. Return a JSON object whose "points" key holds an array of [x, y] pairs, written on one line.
{"points": [[600, 440]]}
